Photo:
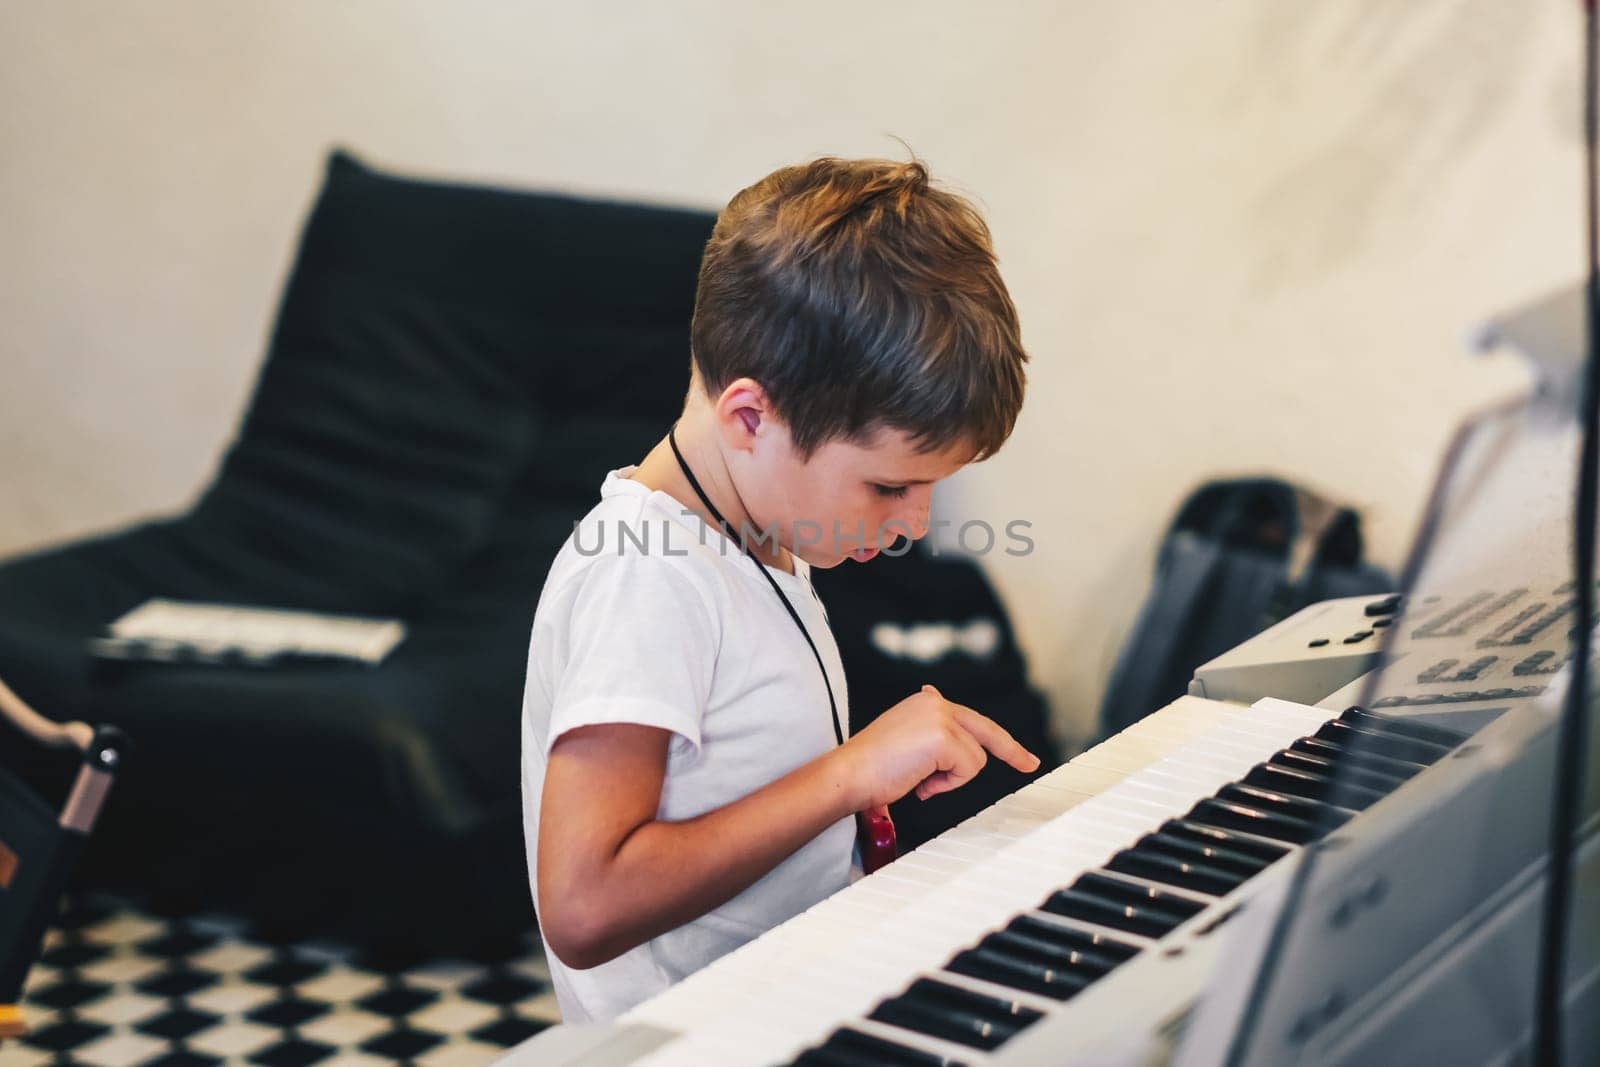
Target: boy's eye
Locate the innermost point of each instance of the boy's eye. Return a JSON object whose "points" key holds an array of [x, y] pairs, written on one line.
{"points": [[889, 490]]}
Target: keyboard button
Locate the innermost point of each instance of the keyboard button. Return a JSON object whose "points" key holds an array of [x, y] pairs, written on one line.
{"points": [[1386, 606]]}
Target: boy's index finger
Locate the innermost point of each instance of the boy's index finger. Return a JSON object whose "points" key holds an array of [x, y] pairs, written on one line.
{"points": [[992, 736]]}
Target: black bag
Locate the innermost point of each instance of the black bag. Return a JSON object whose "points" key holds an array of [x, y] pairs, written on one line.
{"points": [[1240, 555]]}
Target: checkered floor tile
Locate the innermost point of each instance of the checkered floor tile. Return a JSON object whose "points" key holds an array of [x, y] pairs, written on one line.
{"points": [[117, 987]]}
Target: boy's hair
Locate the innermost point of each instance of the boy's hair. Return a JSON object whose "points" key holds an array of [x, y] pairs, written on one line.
{"points": [[860, 296]]}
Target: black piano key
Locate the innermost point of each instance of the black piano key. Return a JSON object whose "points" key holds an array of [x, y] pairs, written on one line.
{"points": [[1340, 791], [1350, 789], [1184, 874], [1017, 972], [950, 1024], [958, 1015], [1075, 904], [1340, 755], [1367, 775], [1384, 744], [1138, 894], [1060, 956], [1205, 834], [1072, 938], [877, 1050], [1224, 859], [1311, 811], [1292, 798], [821, 1057], [1253, 820], [1419, 731]]}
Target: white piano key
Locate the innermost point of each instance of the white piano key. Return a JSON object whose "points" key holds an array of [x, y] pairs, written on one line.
{"points": [[1042, 804], [874, 903], [1171, 796], [1224, 754], [1121, 761], [1263, 742], [833, 963], [1119, 809], [910, 872], [944, 847], [1177, 775], [1113, 810], [1169, 731], [1051, 851], [1145, 746], [946, 867], [1293, 716], [1064, 799], [903, 887], [1077, 775], [1008, 825], [887, 895]]}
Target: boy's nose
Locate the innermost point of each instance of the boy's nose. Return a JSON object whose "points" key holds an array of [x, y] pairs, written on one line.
{"points": [[917, 519]]}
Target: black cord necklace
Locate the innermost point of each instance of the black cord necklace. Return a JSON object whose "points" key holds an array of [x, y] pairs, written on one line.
{"points": [[722, 523]]}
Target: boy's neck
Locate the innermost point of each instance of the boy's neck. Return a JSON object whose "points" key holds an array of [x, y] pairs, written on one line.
{"points": [[660, 470]]}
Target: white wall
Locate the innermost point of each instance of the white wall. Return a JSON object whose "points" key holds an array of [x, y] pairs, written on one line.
{"points": [[1244, 235]]}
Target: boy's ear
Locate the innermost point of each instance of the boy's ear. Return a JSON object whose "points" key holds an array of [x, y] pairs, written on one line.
{"points": [[743, 412]]}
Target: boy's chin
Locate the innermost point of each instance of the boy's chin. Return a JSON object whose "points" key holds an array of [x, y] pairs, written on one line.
{"points": [[834, 559], [860, 555]]}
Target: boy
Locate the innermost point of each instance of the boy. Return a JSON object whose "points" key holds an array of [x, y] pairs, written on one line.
{"points": [[687, 784]]}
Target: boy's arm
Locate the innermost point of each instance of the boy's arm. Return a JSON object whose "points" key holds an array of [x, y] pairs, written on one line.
{"points": [[612, 876]]}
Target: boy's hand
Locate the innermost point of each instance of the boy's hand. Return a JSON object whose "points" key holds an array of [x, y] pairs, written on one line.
{"points": [[927, 744]]}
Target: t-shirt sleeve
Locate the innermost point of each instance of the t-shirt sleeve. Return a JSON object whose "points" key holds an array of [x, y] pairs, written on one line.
{"points": [[641, 646]]}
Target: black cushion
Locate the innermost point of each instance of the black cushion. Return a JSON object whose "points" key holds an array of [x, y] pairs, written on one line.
{"points": [[426, 333], [453, 370]]}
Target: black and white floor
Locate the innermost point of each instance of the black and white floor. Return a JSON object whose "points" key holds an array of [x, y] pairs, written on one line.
{"points": [[119, 987]]}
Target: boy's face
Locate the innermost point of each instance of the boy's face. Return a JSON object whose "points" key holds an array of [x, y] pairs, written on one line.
{"points": [[850, 499]]}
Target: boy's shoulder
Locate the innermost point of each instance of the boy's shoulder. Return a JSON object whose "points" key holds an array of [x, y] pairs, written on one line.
{"points": [[642, 540]]}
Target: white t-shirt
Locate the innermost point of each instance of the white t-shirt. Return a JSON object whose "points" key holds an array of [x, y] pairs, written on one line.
{"points": [[649, 615]]}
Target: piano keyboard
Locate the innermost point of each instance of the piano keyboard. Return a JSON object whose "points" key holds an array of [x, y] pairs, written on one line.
{"points": [[958, 946]]}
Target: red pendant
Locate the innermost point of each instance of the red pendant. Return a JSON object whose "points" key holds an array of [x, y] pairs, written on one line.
{"points": [[875, 837]]}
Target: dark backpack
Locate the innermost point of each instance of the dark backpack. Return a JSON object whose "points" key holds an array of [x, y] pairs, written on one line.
{"points": [[1240, 555]]}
